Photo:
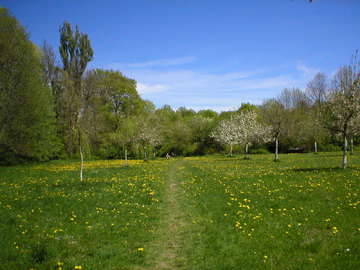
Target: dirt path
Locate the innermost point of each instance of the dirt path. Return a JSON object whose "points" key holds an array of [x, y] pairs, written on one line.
{"points": [[170, 236]]}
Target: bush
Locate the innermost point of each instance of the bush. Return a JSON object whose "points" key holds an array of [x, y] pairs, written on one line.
{"points": [[329, 148], [259, 151]]}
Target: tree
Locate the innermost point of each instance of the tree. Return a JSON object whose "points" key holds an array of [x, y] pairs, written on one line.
{"points": [[342, 111], [148, 134], [27, 122], [316, 91], [227, 132], [273, 114], [75, 51], [250, 130]]}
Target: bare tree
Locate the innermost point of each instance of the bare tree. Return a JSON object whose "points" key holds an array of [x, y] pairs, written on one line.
{"points": [[317, 92], [273, 114]]}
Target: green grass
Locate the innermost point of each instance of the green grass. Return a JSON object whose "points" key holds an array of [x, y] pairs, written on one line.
{"points": [[48, 216], [300, 213], [194, 213]]}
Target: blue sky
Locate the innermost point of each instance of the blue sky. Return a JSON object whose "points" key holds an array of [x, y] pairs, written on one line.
{"points": [[203, 53]]}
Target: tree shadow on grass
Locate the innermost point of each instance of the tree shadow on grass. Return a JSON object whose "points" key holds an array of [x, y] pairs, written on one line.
{"points": [[324, 169]]}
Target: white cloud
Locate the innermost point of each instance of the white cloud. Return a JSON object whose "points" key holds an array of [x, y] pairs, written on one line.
{"points": [[207, 90], [308, 72], [155, 63], [151, 88]]}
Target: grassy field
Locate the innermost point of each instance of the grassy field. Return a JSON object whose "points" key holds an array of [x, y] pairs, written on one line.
{"points": [[192, 213]]}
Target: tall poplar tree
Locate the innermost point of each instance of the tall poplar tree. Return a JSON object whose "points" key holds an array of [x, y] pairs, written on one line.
{"points": [[76, 52]]}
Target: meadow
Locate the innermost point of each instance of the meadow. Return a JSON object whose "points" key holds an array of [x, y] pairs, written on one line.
{"points": [[210, 212]]}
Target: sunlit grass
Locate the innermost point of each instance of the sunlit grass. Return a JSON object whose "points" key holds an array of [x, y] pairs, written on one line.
{"points": [[51, 220], [300, 213]]}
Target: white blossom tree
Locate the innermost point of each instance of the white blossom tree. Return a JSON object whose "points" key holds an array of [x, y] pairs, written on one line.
{"points": [[243, 129], [343, 107], [227, 133], [250, 130], [148, 135]]}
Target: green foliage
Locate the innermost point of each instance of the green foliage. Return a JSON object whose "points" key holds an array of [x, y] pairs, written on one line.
{"points": [[26, 112], [329, 148], [258, 151], [75, 50], [246, 107]]}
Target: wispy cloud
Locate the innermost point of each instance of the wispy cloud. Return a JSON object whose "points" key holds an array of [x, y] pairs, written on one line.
{"points": [[155, 63], [206, 90], [151, 88], [201, 90], [308, 72]]}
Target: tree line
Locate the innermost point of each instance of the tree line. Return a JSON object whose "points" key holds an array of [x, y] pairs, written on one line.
{"points": [[52, 106]]}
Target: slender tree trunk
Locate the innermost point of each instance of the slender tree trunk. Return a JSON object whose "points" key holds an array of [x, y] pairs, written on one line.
{"points": [[82, 163], [351, 146], [276, 149], [126, 159], [247, 151], [231, 150], [145, 157], [344, 158], [315, 147]]}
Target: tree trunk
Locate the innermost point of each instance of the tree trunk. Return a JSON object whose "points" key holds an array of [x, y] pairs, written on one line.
{"points": [[126, 160], [276, 149], [247, 151], [145, 157], [231, 150], [315, 147], [351, 146], [82, 163], [344, 158]]}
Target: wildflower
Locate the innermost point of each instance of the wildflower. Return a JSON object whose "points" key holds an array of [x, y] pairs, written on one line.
{"points": [[335, 230], [77, 267], [140, 249]]}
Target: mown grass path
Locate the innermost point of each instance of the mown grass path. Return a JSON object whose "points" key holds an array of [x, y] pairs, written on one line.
{"points": [[169, 242]]}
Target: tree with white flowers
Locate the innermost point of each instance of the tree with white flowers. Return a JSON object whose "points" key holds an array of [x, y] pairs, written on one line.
{"points": [[148, 135], [250, 130], [227, 133], [243, 129], [342, 111]]}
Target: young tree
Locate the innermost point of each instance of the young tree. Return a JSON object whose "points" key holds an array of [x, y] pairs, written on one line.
{"points": [[273, 114], [27, 122], [342, 111], [316, 91], [148, 135], [235, 130], [75, 51], [251, 131], [226, 133]]}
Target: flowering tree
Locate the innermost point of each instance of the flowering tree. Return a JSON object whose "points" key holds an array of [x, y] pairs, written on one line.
{"points": [[342, 110], [242, 128], [148, 135], [250, 130], [227, 132]]}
